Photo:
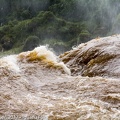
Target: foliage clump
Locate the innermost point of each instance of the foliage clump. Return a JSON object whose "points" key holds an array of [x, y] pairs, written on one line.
{"points": [[6, 42], [47, 27], [31, 43], [72, 22]]}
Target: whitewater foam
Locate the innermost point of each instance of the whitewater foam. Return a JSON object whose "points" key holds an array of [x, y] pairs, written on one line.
{"points": [[10, 62], [44, 51], [46, 56], [40, 92]]}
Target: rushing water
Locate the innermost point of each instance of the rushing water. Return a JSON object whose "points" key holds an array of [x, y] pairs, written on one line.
{"points": [[36, 85]]}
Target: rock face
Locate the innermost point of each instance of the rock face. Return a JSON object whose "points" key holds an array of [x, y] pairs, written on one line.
{"points": [[98, 57]]}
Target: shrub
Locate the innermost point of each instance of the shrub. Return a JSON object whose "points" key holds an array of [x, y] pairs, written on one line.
{"points": [[31, 43], [6, 42], [84, 35]]}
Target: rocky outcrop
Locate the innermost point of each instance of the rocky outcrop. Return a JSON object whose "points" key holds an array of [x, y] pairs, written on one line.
{"points": [[98, 57]]}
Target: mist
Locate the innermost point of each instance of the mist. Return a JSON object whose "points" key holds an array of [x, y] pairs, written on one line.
{"points": [[55, 63], [100, 16], [60, 23], [20, 8]]}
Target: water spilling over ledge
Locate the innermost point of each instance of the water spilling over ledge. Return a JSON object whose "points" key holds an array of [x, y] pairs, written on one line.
{"points": [[98, 57], [35, 84]]}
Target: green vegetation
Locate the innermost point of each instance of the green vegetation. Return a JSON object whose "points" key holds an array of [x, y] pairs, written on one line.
{"points": [[59, 23], [31, 43], [46, 27]]}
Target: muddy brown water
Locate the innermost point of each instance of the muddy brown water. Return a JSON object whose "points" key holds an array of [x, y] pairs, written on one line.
{"points": [[43, 93]]}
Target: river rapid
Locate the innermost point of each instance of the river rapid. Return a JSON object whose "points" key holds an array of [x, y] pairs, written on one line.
{"points": [[37, 85]]}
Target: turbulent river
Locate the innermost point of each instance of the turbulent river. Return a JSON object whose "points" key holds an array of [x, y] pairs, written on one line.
{"points": [[37, 85]]}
